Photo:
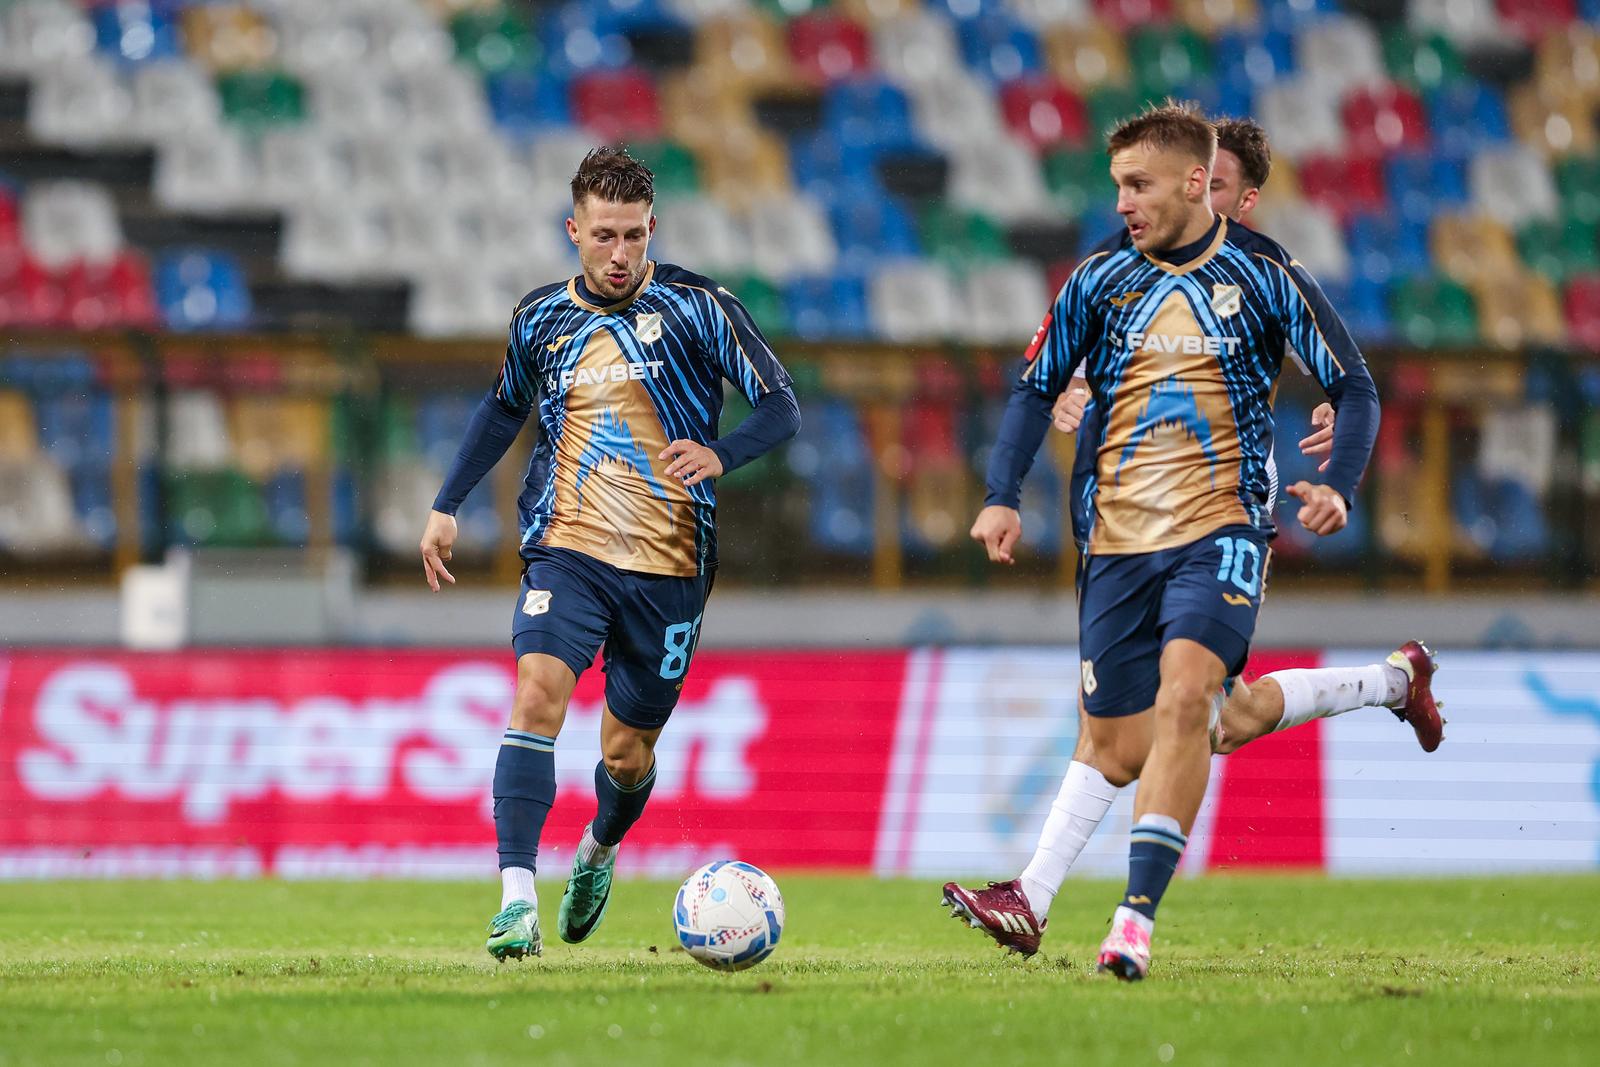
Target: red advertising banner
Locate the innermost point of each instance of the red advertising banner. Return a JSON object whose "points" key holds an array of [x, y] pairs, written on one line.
{"points": [[324, 763]]}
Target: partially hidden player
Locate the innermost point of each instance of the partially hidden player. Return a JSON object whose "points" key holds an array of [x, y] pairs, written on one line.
{"points": [[1182, 321], [1015, 912], [625, 362]]}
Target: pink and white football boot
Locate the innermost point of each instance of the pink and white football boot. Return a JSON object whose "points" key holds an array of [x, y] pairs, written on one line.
{"points": [[1126, 950]]}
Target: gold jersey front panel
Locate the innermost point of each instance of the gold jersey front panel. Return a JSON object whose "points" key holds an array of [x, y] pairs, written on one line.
{"points": [[612, 501], [1168, 470]]}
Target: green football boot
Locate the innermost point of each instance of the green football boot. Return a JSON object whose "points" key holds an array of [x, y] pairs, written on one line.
{"points": [[514, 933], [583, 904]]}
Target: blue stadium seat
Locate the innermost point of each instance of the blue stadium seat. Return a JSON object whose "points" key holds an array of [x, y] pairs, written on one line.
{"points": [[439, 422], [199, 289], [823, 165], [91, 501], [1383, 247], [1422, 184], [1502, 517], [620, 16], [837, 464], [285, 495], [523, 102], [1467, 116], [822, 308], [136, 33], [870, 224], [346, 507], [1286, 16], [875, 101], [76, 427], [1363, 304], [1249, 58], [581, 37], [999, 49]]}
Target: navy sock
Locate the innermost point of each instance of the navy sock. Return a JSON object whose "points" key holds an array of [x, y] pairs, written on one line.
{"points": [[620, 805], [1153, 854], [524, 789]]}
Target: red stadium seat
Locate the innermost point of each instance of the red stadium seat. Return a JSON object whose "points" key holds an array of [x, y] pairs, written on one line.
{"points": [[117, 293], [826, 47], [1125, 15], [1583, 311], [1044, 112], [617, 104], [1347, 186], [1535, 18], [1383, 120], [30, 296]]}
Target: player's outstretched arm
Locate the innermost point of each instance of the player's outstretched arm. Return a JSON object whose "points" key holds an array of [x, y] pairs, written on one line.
{"points": [[489, 433]]}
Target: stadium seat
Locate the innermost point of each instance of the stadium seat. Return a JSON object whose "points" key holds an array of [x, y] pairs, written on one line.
{"points": [[825, 47], [1079, 181], [36, 512], [70, 220], [205, 171], [789, 236], [1578, 181], [1045, 14], [912, 301], [1211, 17], [1301, 119], [703, 234], [116, 293], [1363, 304], [1460, 20], [674, 167], [494, 39], [1554, 124], [217, 508], [1043, 112], [743, 53], [170, 99], [762, 300], [578, 38], [1581, 302], [827, 307], [1534, 19], [1311, 234], [617, 105], [840, 470], [955, 110], [1569, 62], [257, 99], [197, 430], [1470, 247], [1431, 313], [1466, 117], [1517, 309], [746, 164], [1421, 184], [914, 47], [1126, 15], [442, 100], [136, 33], [81, 102], [523, 104], [1086, 55], [1559, 249], [1384, 247], [228, 36], [1422, 61], [999, 49], [868, 223], [1379, 120], [1003, 302], [30, 294], [1000, 178], [1338, 54], [201, 290], [1165, 58], [958, 238], [1513, 185], [1348, 185]]}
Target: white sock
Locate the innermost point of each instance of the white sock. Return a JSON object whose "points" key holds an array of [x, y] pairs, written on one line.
{"points": [[1328, 691], [1124, 912], [516, 883], [593, 852], [1079, 807]]}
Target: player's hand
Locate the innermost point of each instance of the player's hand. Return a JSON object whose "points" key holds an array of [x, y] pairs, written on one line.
{"points": [[437, 541], [692, 461], [1067, 415], [1324, 512], [1320, 443], [998, 529]]}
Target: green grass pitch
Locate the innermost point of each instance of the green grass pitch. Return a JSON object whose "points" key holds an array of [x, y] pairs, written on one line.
{"points": [[1287, 971]]}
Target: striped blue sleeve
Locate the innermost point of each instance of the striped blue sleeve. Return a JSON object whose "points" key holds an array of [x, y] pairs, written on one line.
{"points": [[1317, 332], [734, 341]]}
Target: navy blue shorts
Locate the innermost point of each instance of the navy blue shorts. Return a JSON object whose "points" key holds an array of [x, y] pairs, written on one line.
{"points": [[572, 606], [1129, 607]]}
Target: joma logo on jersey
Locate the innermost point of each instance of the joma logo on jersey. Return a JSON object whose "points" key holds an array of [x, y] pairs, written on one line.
{"points": [[616, 372], [1188, 344]]}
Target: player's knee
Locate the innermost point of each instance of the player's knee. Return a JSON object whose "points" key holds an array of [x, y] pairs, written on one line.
{"points": [[627, 757], [538, 706], [1183, 704]]}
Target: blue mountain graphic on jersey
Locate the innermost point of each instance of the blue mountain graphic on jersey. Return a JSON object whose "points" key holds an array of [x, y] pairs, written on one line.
{"points": [[1171, 403], [611, 440]]}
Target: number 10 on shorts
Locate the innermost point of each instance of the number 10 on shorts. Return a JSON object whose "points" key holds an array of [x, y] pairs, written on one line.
{"points": [[679, 643], [1241, 563]]}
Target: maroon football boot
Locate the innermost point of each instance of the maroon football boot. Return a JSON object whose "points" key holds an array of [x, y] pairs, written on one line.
{"points": [[1420, 709], [1000, 910]]}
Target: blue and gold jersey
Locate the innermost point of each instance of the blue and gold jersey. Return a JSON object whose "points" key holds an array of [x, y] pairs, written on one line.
{"points": [[614, 385], [1182, 361]]}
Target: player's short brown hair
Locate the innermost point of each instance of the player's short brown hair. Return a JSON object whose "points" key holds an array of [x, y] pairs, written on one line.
{"points": [[1171, 126], [612, 175], [1247, 140]]}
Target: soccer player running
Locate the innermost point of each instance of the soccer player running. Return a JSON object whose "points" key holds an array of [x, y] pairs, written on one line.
{"points": [[1015, 912], [618, 517], [1182, 320]]}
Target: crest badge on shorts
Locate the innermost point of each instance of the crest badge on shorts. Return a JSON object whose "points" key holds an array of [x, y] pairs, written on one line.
{"points": [[537, 602], [1226, 299], [648, 327]]}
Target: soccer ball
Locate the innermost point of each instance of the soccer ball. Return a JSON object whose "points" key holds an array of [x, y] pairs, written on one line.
{"points": [[729, 915]]}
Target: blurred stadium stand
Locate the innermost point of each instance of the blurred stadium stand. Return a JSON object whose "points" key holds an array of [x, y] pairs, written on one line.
{"points": [[219, 219]]}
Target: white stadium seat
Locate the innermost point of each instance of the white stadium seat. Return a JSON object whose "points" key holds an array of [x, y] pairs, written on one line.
{"points": [[69, 221], [206, 171], [914, 300], [1004, 302], [1513, 185]]}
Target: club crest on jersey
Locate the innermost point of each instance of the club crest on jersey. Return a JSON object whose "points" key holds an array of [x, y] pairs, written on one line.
{"points": [[1226, 300], [648, 327]]}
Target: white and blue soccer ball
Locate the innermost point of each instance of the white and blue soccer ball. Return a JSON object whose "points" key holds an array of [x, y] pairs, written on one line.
{"points": [[729, 915]]}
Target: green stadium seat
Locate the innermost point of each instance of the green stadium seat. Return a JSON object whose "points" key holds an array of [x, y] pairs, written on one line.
{"points": [[260, 98], [788, 9], [1110, 105], [494, 40], [1558, 250], [1429, 312], [673, 165], [1422, 61], [1167, 58], [219, 508], [762, 299], [956, 237], [397, 430], [1578, 180], [1079, 181]]}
